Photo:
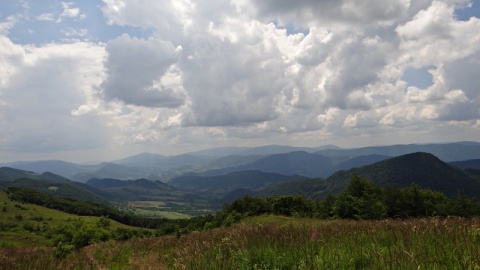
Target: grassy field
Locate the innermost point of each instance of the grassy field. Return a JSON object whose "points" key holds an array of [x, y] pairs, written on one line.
{"points": [[272, 242], [22, 224], [154, 209]]}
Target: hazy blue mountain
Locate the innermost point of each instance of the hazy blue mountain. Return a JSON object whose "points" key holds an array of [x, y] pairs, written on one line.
{"points": [[259, 150], [233, 196], [82, 173], [293, 163], [282, 149], [141, 160], [138, 190], [424, 169], [324, 147], [221, 185], [112, 170], [310, 187], [355, 162], [234, 161], [106, 183], [8, 174], [160, 162], [219, 151], [59, 167], [447, 151], [287, 160], [467, 164]]}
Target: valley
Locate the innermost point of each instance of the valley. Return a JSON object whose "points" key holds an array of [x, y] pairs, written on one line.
{"points": [[199, 183]]}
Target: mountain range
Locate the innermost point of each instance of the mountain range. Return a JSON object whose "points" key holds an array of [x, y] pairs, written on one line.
{"points": [[202, 180], [310, 162]]}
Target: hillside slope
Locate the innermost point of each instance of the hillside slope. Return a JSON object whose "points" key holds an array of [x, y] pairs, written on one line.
{"points": [[223, 184], [424, 169]]}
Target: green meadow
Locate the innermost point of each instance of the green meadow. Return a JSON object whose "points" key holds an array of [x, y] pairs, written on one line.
{"points": [[275, 242], [26, 225]]}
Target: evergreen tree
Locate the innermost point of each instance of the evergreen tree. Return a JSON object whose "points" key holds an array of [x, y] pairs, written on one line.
{"points": [[361, 200]]}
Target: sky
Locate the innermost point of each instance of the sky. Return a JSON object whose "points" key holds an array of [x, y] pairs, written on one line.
{"points": [[92, 80]]}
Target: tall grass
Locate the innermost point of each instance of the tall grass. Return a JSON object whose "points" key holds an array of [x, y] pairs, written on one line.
{"points": [[283, 243], [450, 243]]}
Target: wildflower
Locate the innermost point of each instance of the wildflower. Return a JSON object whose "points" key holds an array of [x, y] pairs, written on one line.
{"points": [[314, 235]]}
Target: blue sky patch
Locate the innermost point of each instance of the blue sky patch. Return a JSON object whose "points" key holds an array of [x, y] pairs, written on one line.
{"points": [[464, 14], [50, 21], [420, 77], [291, 28]]}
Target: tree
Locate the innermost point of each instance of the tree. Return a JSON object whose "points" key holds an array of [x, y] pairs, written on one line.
{"points": [[361, 200], [325, 208]]}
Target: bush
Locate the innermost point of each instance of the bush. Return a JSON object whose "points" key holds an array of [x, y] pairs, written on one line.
{"points": [[62, 250]]}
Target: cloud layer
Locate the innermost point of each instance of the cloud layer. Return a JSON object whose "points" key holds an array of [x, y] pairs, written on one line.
{"points": [[240, 72]]}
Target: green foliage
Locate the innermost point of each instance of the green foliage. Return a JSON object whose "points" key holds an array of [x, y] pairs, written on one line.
{"points": [[81, 208], [232, 218], [58, 187], [62, 250], [29, 226], [299, 206], [63, 204], [361, 200], [78, 233], [5, 226], [103, 222], [325, 207], [249, 206], [415, 202]]}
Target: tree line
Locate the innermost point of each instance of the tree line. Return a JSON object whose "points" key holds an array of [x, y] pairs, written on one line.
{"points": [[361, 199]]}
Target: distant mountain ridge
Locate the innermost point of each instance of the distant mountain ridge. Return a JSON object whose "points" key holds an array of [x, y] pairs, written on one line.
{"points": [[293, 163], [264, 176], [467, 164], [221, 185], [447, 152], [288, 160], [8, 174]]}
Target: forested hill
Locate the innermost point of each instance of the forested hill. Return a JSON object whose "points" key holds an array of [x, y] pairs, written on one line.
{"points": [[10, 174], [424, 169], [223, 184], [140, 189]]}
